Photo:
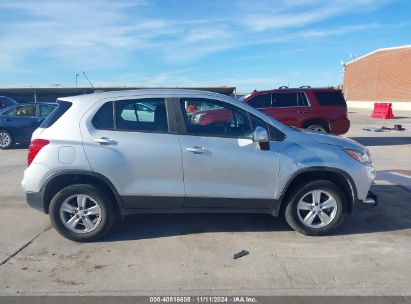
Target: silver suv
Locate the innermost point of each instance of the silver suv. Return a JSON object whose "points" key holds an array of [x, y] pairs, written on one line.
{"points": [[102, 156]]}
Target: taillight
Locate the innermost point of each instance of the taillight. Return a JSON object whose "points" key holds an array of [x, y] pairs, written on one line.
{"points": [[35, 146]]}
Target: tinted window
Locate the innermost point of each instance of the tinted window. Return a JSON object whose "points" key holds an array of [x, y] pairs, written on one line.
{"points": [[260, 101], [45, 110], [142, 115], [62, 107], [214, 118], [302, 100], [103, 119], [285, 99], [23, 111], [330, 98], [256, 122]]}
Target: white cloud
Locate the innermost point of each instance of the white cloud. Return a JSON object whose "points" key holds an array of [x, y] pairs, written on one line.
{"points": [[97, 34]]}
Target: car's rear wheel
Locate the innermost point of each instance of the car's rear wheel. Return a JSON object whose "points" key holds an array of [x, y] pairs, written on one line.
{"points": [[317, 128], [316, 208], [82, 213], [6, 140]]}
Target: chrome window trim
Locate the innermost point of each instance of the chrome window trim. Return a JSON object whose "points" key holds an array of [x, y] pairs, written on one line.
{"points": [[306, 97]]}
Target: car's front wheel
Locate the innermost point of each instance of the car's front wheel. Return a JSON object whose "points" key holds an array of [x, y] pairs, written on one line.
{"points": [[82, 213], [316, 208]]}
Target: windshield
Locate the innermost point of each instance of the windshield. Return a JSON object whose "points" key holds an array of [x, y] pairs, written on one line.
{"points": [[6, 102]]}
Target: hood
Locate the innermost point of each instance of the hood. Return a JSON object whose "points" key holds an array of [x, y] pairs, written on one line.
{"points": [[335, 140]]}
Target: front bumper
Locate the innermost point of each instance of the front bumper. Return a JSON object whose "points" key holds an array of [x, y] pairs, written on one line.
{"points": [[369, 202]]}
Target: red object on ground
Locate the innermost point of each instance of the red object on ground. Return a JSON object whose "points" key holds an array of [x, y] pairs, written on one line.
{"points": [[382, 110]]}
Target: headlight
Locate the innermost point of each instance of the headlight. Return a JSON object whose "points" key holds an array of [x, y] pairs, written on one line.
{"points": [[361, 156]]}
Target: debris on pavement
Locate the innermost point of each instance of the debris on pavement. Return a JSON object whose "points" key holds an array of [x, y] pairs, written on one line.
{"points": [[240, 254], [384, 129]]}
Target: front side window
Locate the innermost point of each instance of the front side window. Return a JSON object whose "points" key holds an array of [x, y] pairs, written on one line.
{"points": [[22, 111], [214, 118], [260, 101], [142, 115]]}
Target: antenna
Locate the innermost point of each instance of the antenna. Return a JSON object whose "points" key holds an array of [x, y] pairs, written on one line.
{"points": [[87, 79]]}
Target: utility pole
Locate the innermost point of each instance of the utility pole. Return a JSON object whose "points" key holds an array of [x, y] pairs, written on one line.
{"points": [[77, 75]]}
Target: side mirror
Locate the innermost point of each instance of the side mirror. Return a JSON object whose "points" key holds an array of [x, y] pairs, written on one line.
{"points": [[260, 135]]}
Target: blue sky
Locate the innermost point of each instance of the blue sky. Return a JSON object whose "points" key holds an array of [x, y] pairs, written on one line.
{"points": [[248, 44]]}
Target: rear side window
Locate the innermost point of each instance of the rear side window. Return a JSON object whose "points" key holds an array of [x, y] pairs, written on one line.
{"points": [[282, 100], [330, 98], [45, 110], [302, 100], [103, 120], [260, 101], [62, 107], [146, 115]]}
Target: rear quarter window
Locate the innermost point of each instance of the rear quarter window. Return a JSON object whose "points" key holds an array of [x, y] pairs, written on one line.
{"points": [[103, 120], [62, 107], [330, 98]]}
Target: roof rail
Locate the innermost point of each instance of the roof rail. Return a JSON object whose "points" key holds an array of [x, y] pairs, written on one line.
{"points": [[305, 87], [283, 87]]}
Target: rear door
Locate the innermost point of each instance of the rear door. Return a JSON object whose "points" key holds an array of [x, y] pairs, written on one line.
{"points": [[223, 167], [133, 143], [293, 106]]}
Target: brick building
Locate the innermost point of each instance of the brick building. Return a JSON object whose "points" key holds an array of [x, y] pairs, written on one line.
{"points": [[383, 75]]}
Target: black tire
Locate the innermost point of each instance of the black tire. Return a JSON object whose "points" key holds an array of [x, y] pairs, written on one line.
{"points": [[108, 213], [292, 213], [10, 142]]}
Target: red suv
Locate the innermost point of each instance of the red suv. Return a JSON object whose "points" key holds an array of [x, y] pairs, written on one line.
{"points": [[319, 109]]}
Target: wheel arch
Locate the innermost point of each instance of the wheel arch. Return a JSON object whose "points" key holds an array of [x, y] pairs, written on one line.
{"points": [[317, 121], [339, 177], [59, 180]]}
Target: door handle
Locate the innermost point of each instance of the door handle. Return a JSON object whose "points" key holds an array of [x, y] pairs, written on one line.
{"points": [[302, 112], [105, 141], [197, 150]]}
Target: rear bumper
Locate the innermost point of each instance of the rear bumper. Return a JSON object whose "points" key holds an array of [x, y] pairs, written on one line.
{"points": [[369, 202], [35, 200], [339, 126]]}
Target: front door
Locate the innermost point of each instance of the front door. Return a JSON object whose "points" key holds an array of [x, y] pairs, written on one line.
{"points": [[223, 167]]}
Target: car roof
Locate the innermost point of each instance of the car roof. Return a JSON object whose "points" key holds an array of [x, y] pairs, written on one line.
{"points": [[300, 89], [94, 97], [37, 103]]}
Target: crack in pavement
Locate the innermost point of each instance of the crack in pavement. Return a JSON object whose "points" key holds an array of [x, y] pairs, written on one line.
{"points": [[24, 246]]}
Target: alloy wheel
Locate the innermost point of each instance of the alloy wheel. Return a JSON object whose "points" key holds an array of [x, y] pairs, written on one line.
{"points": [[317, 209], [317, 128], [80, 213], [4, 140]]}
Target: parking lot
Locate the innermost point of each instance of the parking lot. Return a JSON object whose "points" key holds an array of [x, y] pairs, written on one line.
{"points": [[193, 253]]}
